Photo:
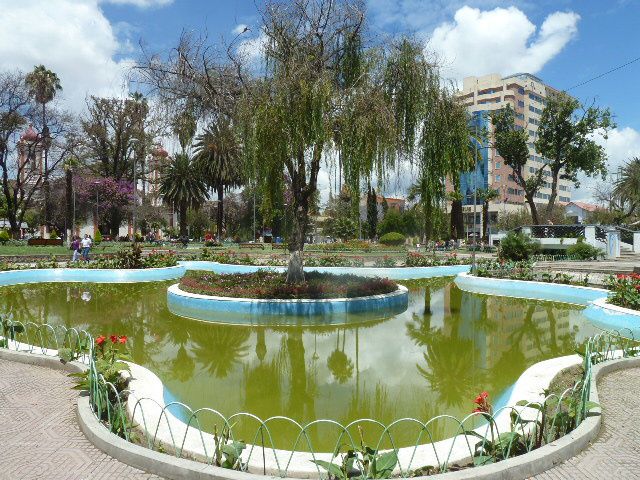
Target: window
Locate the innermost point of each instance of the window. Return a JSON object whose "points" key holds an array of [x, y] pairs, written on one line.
{"points": [[498, 178], [532, 133], [520, 116], [498, 164], [565, 199], [521, 91], [564, 188], [520, 103], [535, 110]]}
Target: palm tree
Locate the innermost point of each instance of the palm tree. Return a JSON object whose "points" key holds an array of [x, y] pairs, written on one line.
{"points": [[182, 185], [217, 155], [43, 85], [627, 187], [486, 195]]}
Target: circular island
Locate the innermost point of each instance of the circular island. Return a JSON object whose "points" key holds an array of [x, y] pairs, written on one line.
{"points": [[326, 297]]}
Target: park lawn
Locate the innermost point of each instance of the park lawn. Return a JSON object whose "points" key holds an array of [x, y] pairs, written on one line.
{"points": [[26, 250]]}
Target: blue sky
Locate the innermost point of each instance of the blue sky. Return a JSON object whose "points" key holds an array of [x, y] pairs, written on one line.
{"points": [[91, 43]]}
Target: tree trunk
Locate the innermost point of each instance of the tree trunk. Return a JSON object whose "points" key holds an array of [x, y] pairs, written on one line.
{"points": [[45, 183], [295, 269], [485, 220], [554, 194], [534, 209], [428, 221], [220, 211], [69, 201], [183, 219], [457, 220]]}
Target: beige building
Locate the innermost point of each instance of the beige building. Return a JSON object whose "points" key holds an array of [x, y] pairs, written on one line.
{"points": [[527, 96]]}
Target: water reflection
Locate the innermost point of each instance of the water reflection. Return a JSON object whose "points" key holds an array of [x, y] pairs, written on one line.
{"points": [[433, 358]]}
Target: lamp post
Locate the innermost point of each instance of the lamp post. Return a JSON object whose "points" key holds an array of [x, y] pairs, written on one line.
{"points": [[475, 198], [97, 183], [134, 142]]}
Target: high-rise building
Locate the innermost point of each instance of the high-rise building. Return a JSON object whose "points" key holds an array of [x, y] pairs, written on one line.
{"points": [[527, 96]]}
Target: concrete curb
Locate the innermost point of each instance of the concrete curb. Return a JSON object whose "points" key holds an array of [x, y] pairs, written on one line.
{"points": [[516, 468], [166, 465]]}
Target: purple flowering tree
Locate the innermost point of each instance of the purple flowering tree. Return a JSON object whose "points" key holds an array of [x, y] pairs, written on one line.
{"points": [[109, 199]]}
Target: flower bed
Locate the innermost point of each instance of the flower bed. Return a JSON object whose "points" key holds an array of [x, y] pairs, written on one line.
{"points": [[523, 270], [271, 285], [625, 291]]}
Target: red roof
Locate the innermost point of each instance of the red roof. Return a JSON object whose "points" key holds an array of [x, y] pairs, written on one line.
{"points": [[589, 207]]}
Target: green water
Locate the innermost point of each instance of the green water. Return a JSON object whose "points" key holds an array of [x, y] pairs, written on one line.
{"points": [[433, 358]]}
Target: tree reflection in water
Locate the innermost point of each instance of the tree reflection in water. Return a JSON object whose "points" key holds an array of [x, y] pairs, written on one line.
{"points": [[429, 360]]}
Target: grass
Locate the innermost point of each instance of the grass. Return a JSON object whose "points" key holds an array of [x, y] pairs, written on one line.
{"points": [[269, 284]]}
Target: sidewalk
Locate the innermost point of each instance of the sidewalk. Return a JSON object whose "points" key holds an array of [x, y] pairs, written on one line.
{"points": [[615, 454], [39, 435]]}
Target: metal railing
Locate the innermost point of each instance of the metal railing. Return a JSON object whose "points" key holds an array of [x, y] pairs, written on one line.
{"points": [[557, 231], [484, 436]]}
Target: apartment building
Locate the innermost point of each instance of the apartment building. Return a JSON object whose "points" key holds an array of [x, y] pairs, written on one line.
{"points": [[527, 96]]}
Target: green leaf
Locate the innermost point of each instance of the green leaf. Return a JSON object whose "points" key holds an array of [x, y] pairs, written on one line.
{"points": [[384, 464], [482, 460], [332, 468], [591, 405], [524, 403]]}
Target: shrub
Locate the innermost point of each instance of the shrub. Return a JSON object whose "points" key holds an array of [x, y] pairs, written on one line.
{"points": [[4, 237], [385, 262], [584, 251], [53, 233], [98, 238], [517, 247], [392, 238]]}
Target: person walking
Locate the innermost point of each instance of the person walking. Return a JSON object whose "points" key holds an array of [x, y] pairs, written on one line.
{"points": [[75, 246], [86, 246]]}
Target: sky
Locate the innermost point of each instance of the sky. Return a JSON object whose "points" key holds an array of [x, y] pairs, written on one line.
{"points": [[92, 44]]}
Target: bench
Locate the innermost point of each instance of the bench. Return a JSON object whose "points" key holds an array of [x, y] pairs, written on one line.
{"points": [[252, 245], [279, 246]]}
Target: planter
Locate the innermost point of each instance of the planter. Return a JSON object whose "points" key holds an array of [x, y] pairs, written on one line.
{"points": [[14, 277], [250, 310]]}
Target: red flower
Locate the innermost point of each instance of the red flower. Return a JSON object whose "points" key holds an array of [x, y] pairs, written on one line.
{"points": [[114, 338], [123, 339], [100, 340]]}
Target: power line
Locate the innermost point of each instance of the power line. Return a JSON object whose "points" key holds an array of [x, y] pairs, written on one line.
{"points": [[603, 74]]}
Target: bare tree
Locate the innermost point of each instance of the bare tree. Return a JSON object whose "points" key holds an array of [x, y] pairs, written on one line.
{"points": [[22, 180]]}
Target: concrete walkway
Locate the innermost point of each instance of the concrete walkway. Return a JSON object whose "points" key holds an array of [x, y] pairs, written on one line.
{"points": [[39, 434], [615, 454]]}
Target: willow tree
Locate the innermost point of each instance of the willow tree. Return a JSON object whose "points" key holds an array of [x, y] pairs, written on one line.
{"points": [[431, 126], [321, 91]]}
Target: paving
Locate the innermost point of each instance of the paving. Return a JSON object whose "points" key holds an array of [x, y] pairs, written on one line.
{"points": [[40, 438], [615, 455], [39, 435]]}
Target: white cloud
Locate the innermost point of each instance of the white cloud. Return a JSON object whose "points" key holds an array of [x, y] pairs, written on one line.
{"points": [[140, 3], [240, 28], [74, 39], [502, 40], [252, 49], [621, 146]]}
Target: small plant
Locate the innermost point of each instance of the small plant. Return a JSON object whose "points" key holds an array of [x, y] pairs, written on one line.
{"points": [[625, 290], [362, 463], [4, 237], [53, 234], [517, 247], [392, 239], [97, 239]]}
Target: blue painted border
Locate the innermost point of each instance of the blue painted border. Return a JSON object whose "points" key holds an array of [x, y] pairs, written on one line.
{"points": [[249, 311], [69, 275], [598, 311]]}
